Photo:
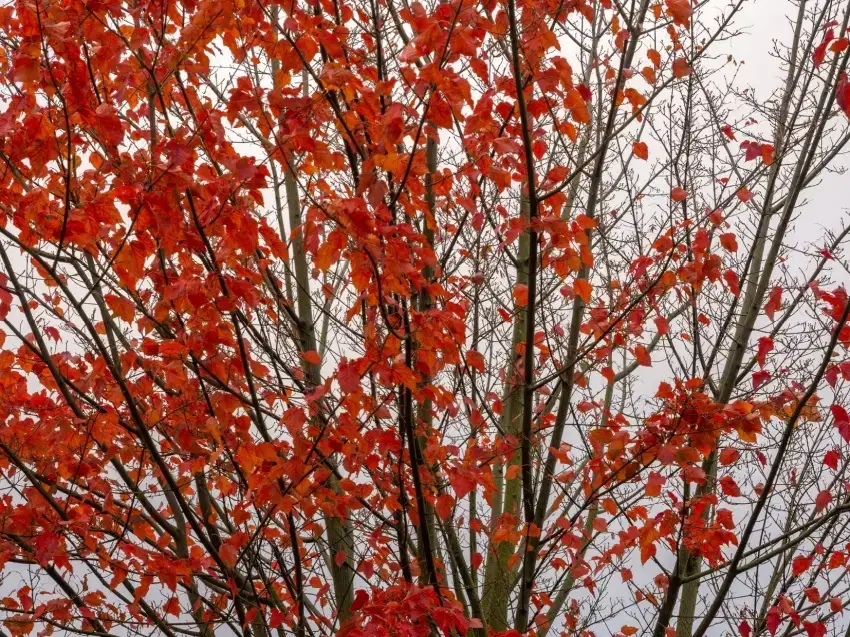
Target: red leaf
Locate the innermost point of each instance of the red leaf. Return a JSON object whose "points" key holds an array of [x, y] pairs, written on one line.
{"points": [[831, 459], [765, 347], [774, 302], [475, 360], [360, 599], [760, 378], [831, 375], [640, 150], [744, 195], [731, 279], [229, 553], [277, 617], [46, 546], [727, 240], [729, 486], [654, 484], [753, 149], [773, 619], [445, 505], [539, 148], [477, 560], [121, 307], [842, 94], [557, 174], [678, 194], [841, 420], [172, 607], [729, 455], [815, 629], [577, 105], [800, 565], [642, 356], [823, 500], [819, 53]]}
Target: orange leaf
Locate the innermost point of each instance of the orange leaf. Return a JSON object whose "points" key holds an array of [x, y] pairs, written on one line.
{"points": [[583, 289], [27, 69], [556, 174], [680, 11], [585, 223], [521, 294], [654, 57], [121, 307], [641, 151], [678, 194], [578, 107], [312, 357], [681, 68]]}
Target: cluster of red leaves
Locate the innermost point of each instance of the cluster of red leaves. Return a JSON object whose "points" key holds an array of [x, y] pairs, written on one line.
{"points": [[119, 151], [406, 611]]}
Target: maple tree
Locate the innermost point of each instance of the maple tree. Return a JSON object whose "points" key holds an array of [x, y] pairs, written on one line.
{"points": [[377, 317]]}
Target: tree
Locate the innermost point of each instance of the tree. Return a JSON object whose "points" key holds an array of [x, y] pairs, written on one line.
{"points": [[387, 318]]}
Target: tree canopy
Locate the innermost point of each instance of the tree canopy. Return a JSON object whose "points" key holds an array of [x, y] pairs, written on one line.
{"points": [[392, 317]]}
